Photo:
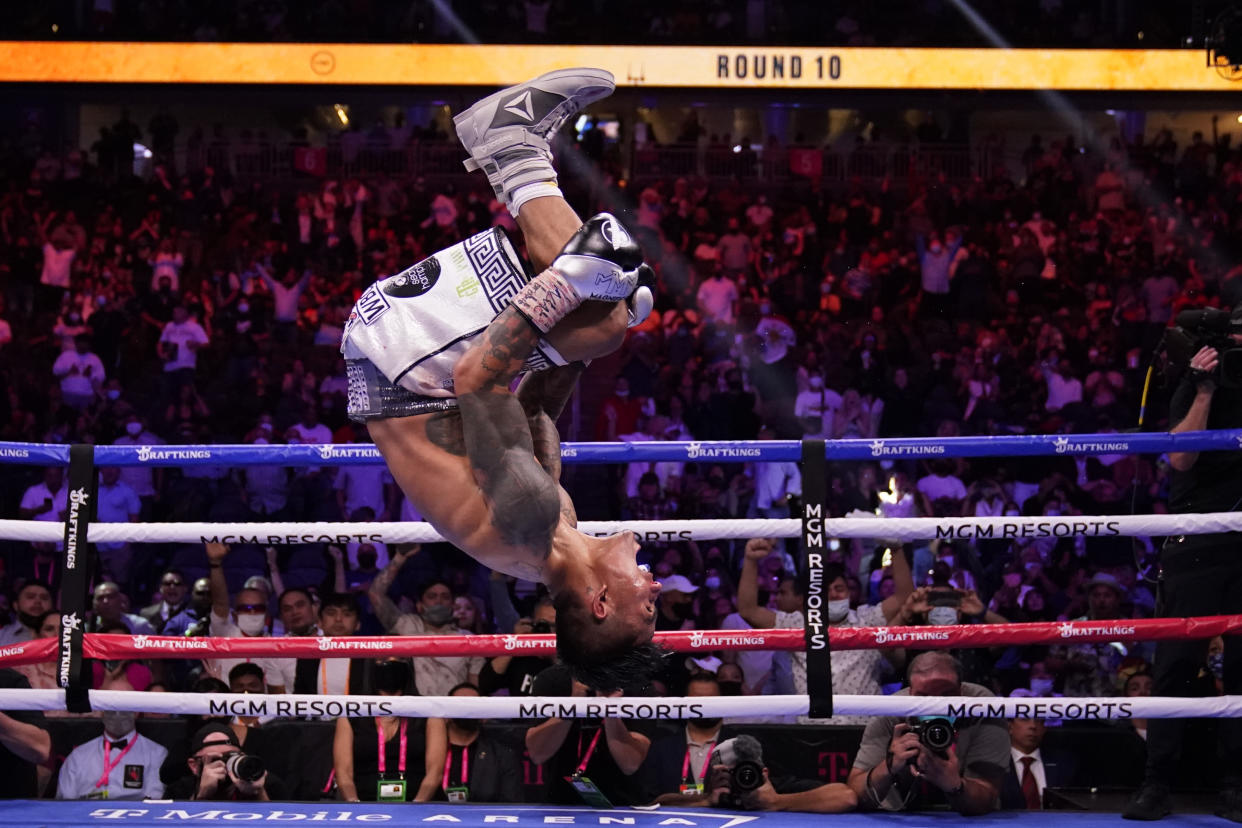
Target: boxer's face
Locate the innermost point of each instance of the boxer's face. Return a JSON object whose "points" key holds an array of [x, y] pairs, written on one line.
{"points": [[630, 593]]}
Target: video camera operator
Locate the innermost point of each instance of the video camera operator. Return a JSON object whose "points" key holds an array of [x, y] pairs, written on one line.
{"points": [[1199, 574], [219, 771], [921, 764]]}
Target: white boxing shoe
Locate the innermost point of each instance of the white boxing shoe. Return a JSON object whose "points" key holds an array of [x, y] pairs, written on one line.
{"points": [[507, 132]]}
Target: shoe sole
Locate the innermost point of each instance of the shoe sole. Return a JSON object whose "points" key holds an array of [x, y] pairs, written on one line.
{"points": [[466, 123]]}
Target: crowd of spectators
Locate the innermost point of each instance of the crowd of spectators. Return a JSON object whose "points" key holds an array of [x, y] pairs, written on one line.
{"points": [[186, 308], [1051, 23]]}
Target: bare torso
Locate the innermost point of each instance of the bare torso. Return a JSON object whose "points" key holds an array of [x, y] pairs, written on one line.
{"points": [[427, 458]]}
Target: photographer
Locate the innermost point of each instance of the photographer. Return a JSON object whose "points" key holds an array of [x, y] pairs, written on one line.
{"points": [[1199, 575], [586, 758], [517, 673], [217, 772], [897, 769]]}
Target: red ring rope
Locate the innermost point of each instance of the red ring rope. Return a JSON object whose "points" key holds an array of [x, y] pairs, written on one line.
{"points": [[842, 638]]}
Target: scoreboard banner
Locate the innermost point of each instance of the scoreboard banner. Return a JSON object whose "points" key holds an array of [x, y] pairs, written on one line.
{"points": [[655, 66]]}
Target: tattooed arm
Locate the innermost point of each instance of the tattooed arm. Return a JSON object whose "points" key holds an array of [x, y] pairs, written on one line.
{"points": [[547, 391], [523, 498], [385, 610], [543, 395]]}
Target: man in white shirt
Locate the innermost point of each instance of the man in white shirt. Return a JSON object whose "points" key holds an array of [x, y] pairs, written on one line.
{"points": [[775, 483], [47, 500], [310, 432], [433, 675], [760, 213], [854, 672], [179, 344], [144, 480], [116, 503], [941, 484], [364, 486], [248, 617], [716, 298], [58, 255], [120, 764], [734, 248], [1063, 387], [81, 374], [816, 407]]}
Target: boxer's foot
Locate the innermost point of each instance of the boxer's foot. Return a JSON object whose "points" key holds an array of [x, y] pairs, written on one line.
{"points": [[507, 132]]}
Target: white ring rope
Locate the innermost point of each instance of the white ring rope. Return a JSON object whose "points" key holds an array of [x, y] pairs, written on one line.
{"points": [[636, 707], [897, 529]]}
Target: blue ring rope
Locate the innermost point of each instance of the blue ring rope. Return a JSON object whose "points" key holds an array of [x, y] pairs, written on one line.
{"points": [[904, 448]]}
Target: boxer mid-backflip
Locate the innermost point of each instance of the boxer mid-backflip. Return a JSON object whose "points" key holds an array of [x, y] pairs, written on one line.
{"points": [[431, 354]]}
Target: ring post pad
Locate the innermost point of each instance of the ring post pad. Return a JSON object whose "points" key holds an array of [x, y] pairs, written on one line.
{"points": [[815, 591]]}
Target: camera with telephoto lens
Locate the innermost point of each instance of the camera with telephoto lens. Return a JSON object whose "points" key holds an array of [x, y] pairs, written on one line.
{"points": [[743, 756], [1206, 328], [936, 733], [543, 627], [244, 766]]}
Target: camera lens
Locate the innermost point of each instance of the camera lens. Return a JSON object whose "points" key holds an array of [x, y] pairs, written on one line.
{"points": [[543, 627], [245, 767], [746, 776], [937, 735]]}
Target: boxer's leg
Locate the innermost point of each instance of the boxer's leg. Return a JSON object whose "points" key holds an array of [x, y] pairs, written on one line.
{"points": [[547, 223], [507, 135]]}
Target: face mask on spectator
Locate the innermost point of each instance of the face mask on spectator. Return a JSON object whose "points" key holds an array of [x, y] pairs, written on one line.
{"points": [[115, 394], [251, 623], [133, 429], [730, 688], [837, 610], [816, 383], [437, 615], [118, 723], [684, 610], [1216, 665], [466, 725], [1041, 686], [391, 676], [942, 616], [712, 582], [243, 307]]}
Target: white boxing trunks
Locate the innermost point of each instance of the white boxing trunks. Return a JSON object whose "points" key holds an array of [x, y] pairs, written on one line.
{"points": [[406, 332]]}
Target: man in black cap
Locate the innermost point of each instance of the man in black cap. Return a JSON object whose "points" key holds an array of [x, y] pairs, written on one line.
{"points": [[213, 777]]}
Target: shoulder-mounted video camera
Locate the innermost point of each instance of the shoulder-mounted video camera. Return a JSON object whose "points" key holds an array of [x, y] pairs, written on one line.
{"points": [[1205, 328]]}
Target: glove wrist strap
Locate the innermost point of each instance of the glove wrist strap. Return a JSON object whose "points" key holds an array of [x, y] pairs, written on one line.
{"points": [[546, 300]]}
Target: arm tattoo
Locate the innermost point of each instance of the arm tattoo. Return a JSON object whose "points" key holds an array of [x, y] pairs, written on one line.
{"points": [[385, 610], [548, 391], [505, 346], [522, 497], [547, 443], [444, 431]]}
